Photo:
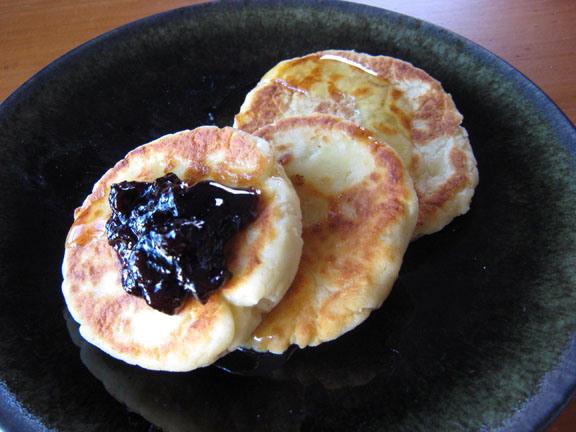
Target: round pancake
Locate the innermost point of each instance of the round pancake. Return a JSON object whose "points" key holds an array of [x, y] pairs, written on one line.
{"points": [[396, 102], [359, 210], [263, 258]]}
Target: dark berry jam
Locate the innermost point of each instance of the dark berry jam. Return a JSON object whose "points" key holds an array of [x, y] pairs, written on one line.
{"points": [[170, 237]]}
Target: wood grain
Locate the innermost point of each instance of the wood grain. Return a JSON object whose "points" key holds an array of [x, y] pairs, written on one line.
{"points": [[538, 37]]}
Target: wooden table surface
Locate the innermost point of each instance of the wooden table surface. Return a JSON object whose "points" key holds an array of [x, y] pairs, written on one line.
{"points": [[538, 37]]}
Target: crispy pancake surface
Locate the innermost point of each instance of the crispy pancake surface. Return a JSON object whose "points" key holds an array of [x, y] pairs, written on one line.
{"points": [[359, 210], [263, 258], [396, 102]]}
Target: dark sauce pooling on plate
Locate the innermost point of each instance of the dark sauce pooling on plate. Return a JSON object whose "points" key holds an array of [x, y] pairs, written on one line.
{"points": [[170, 237]]}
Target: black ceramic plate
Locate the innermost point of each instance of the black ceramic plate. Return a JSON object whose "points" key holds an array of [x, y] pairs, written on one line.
{"points": [[479, 332]]}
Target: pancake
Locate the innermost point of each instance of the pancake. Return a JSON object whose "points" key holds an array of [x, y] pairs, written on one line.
{"points": [[393, 100], [263, 258], [359, 210]]}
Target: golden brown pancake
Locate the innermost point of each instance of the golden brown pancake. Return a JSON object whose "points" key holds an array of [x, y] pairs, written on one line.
{"points": [[263, 258], [359, 210], [393, 100]]}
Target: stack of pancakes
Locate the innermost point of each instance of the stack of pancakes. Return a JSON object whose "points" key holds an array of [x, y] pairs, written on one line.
{"points": [[355, 155]]}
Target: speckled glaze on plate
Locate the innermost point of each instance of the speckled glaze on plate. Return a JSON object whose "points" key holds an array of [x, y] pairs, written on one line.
{"points": [[479, 331]]}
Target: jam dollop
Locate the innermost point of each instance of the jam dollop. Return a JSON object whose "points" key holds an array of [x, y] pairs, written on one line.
{"points": [[170, 237]]}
